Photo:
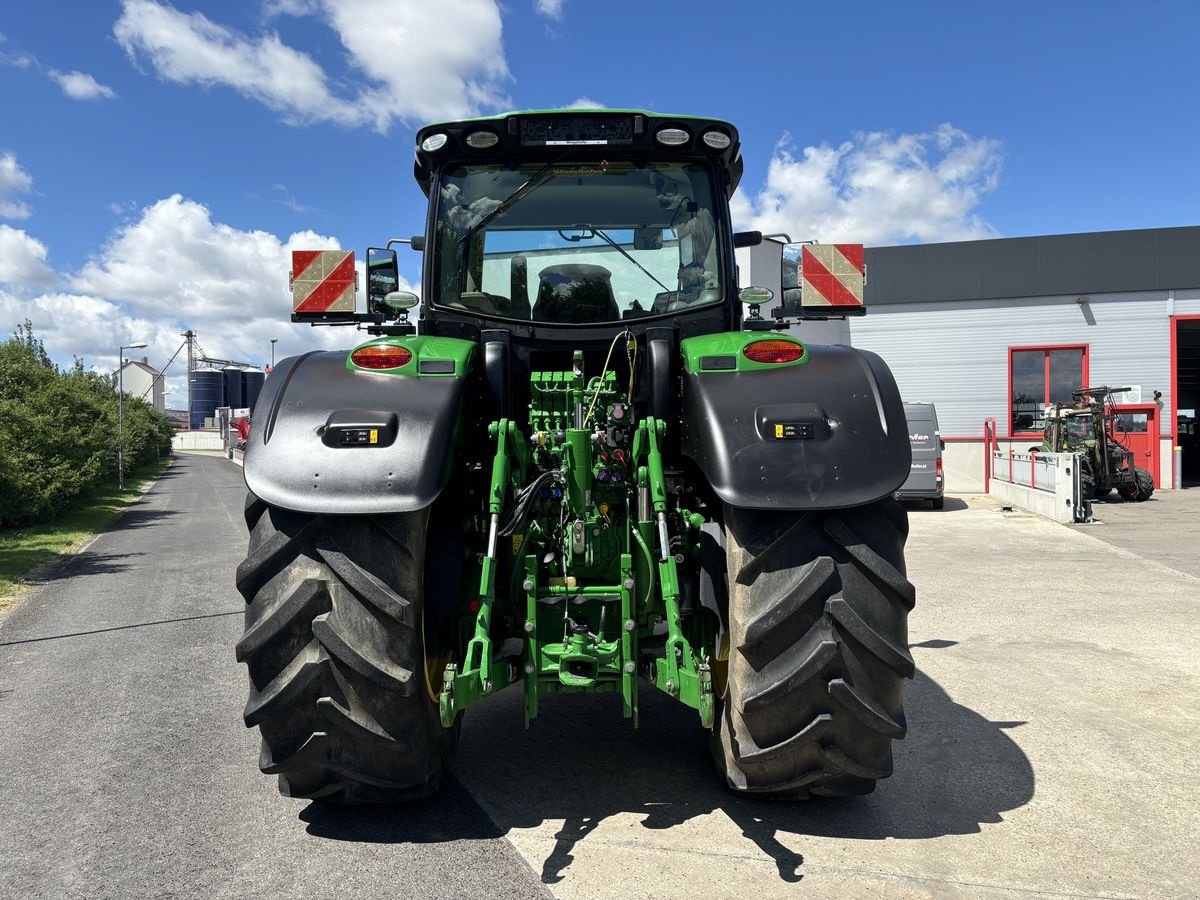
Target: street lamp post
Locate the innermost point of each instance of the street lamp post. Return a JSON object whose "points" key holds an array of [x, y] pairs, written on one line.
{"points": [[273, 341], [164, 410], [121, 413]]}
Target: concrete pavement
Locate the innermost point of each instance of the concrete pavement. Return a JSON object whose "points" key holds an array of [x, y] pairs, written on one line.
{"points": [[1050, 750], [1165, 528]]}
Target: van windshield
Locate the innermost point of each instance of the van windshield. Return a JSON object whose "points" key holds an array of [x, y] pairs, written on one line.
{"points": [[576, 242]]}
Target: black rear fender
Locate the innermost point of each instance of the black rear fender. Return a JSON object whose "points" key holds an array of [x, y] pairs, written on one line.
{"points": [[826, 434], [311, 446]]}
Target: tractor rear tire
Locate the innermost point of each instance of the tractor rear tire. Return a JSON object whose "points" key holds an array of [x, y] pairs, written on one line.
{"points": [[818, 619], [334, 645], [1141, 489]]}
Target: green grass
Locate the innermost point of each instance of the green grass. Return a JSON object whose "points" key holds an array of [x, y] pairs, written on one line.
{"points": [[24, 549]]}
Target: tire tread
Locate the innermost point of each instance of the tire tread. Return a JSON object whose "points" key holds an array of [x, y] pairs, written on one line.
{"points": [[334, 651], [818, 617]]}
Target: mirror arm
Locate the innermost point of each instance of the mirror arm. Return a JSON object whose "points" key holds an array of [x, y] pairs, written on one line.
{"points": [[417, 242]]}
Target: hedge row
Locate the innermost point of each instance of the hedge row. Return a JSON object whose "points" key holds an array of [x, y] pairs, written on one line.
{"points": [[58, 432]]}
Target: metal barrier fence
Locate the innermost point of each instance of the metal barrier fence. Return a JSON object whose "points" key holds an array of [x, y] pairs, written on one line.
{"points": [[1046, 483], [1033, 470]]}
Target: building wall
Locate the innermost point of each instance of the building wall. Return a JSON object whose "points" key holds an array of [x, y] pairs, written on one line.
{"points": [[142, 385], [1187, 303], [945, 315], [955, 353]]}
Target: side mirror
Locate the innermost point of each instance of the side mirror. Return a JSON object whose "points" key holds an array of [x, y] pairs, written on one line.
{"points": [[823, 280], [383, 276]]}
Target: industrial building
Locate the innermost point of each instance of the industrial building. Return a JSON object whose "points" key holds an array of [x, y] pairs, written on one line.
{"points": [[997, 329], [142, 381], [994, 330], [217, 383]]}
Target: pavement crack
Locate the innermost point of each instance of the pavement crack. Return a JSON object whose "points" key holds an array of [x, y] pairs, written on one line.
{"points": [[59, 637]]}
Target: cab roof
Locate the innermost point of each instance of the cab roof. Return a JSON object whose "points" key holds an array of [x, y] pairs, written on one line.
{"points": [[545, 134]]}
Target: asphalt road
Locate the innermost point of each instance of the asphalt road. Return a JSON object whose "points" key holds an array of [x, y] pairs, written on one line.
{"points": [[1050, 749], [127, 769]]}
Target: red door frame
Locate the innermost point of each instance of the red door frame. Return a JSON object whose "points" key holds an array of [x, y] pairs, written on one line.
{"points": [[1175, 387], [1153, 429]]}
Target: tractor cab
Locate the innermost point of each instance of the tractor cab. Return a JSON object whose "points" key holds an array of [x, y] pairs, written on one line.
{"points": [[579, 219], [1068, 429], [568, 224], [594, 243]]}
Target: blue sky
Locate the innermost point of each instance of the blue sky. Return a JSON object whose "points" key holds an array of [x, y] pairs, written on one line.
{"points": [[157, 161]]}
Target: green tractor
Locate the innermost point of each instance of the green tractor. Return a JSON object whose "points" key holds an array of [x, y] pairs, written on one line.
{"points": [[592, 466], [1087, 427]]}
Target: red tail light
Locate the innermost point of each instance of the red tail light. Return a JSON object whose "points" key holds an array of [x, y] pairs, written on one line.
{"points": [[773, 351], [939, 474], [381, 356]]}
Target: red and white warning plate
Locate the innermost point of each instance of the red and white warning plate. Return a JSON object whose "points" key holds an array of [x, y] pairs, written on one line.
{"points": [[322, 281], [832, 275]]}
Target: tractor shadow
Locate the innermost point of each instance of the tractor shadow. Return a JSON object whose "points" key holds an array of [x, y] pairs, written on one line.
{"points": [[951, 504], [581, 763]]}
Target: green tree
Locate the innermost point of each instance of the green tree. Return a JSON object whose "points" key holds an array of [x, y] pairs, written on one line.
{"points": [[58, 432]]}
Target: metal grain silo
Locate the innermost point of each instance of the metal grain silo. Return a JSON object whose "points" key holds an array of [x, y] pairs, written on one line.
{"points": [[252, 382], [207, 392], [234, 395]]}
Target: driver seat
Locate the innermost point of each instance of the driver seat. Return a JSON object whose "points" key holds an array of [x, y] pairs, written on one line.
{"points": [[575, 293]]}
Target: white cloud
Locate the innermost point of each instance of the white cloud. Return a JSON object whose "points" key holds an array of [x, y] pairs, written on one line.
{"points": [[170, 269], [284, 197], [273, 8], [13, 181], [585, 103], [551, 9], [17, 60], [75, 84], [22, 258], [174, 260], [412, 65], [426, 61], [189, 48], [175, 268], [81, 86], [91, 328], [878, 189]]}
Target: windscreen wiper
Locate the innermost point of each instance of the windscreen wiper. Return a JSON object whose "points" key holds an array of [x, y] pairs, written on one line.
{"points": [[540, 177], [604, 237]]}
